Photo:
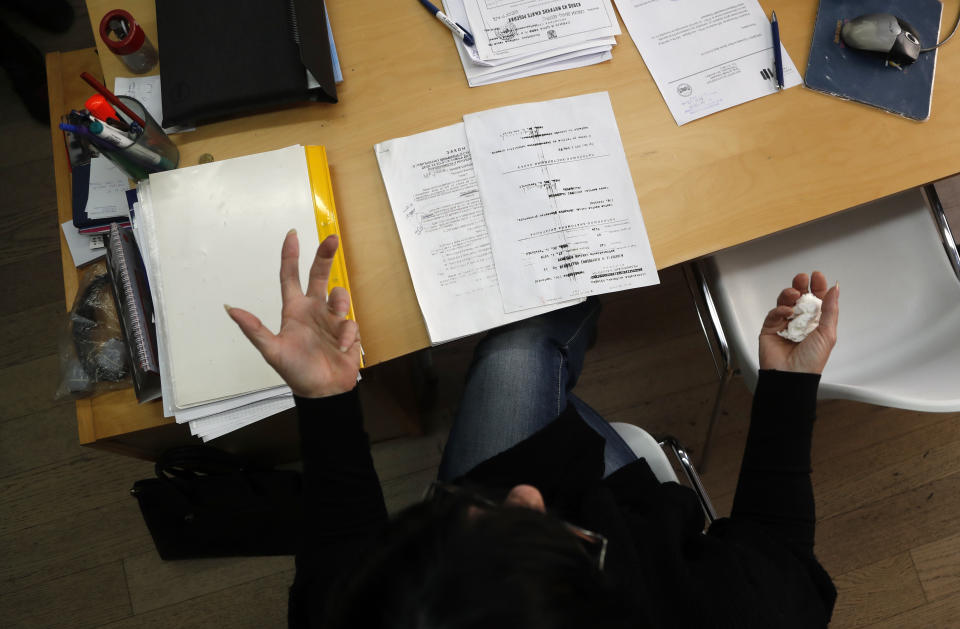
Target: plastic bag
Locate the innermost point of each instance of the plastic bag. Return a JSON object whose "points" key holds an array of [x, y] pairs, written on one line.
{"points": [[93, 354]]}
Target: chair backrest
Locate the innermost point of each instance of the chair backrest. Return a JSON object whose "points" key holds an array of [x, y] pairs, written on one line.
{"points": [[646, 447], [899, 332]]}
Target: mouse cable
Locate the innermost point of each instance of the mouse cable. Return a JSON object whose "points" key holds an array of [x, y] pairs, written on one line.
{"points": [[955, 25]]}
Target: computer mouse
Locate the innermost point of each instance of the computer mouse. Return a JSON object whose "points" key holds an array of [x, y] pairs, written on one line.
{"points": [[885, 34]]}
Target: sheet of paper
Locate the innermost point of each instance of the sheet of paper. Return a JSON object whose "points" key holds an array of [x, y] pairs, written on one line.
{"points": [[80, 245], [106, 197], [456, 11], [218, 231], [215, 408], [559, 201], [562, 57], [704, 55], [312, 82], [146, 89], [543, 67], [144, 231], [509, 28], [433, 193], [222, 423]]}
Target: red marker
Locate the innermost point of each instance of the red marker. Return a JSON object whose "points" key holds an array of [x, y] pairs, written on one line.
{"points": [[99, 107], [116, 102]]}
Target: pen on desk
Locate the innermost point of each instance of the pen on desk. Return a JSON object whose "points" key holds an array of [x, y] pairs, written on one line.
{"points": [[110, 96], [777, 55], [455, 28]]}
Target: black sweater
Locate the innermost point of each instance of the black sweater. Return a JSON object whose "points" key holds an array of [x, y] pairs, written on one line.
{"points": [[753, 569]]}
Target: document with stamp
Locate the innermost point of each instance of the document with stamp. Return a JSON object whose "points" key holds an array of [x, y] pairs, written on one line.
{"points": [[439, 215], [518, 38], [705, 55], [508, 28], [559, 201]]}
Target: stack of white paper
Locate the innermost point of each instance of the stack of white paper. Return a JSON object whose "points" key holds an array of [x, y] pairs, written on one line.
{"points": [[518, 38], [515, 212], [210, 235]]}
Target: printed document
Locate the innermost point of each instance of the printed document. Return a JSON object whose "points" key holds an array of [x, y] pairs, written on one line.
{"points": [[560, 56], [559, 201], [433, 192], [705, 55], [511, 28]]}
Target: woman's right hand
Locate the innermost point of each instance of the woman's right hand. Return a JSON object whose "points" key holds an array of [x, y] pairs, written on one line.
{"points": [[317, 350], [810, 355]]}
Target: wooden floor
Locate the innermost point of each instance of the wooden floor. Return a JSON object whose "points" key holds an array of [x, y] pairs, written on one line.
{"points": [[74, 551]]}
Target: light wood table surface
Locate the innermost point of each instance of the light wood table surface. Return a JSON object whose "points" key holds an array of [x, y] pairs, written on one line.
{"points": [[737, 175]]}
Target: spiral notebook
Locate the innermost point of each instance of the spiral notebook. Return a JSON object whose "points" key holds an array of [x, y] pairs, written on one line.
{"points": [[132, 292]]}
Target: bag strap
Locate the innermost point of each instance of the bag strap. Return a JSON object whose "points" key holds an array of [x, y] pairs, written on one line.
{"points": [[189, 461]]}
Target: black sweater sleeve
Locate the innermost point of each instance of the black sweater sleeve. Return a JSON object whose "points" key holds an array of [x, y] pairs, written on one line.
{"points": [[343, 502], [774, 488]]}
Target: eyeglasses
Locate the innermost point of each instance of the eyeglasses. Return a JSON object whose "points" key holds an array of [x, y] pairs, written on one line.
{"points": [[594, 544]]}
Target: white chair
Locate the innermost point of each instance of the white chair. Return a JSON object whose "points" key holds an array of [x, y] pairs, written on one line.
{"points": [[646, 447], [899, 330]]}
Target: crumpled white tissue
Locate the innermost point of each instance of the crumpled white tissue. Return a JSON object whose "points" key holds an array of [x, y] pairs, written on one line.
{"points": [[805, 319]]}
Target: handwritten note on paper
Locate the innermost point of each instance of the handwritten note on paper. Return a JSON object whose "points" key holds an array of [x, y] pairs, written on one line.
{"points": [[704, 55], [433, 193], [146, 89], [559, 201], [107, 190]]}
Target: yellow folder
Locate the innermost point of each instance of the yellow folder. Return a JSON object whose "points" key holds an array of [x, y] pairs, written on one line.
{"points": [[326, 215]]}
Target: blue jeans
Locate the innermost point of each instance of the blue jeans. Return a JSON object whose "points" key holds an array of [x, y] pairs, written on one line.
{"points": [[519, 382]]}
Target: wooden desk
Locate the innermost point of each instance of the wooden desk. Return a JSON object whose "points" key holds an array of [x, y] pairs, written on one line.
{"points": [[740, 174]]}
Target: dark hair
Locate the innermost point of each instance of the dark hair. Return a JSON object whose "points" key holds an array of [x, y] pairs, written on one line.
{"points": [[437, 568]]}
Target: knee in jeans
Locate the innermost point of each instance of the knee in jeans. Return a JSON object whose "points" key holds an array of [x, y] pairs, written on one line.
{"points": [[517, 339]]}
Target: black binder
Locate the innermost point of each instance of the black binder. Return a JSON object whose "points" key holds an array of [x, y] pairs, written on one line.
{"points": [[225, 57]]}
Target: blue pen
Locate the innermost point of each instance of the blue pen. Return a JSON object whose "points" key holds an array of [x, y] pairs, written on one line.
{"points": [[455, 28], [84, 132], [777, 55]]}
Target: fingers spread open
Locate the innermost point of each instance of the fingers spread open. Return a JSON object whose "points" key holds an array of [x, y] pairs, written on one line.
{"points": [[801, 282], [290, 267], [320, 269], [262, 338], [818, 284], [339, 301], [788, 297]]}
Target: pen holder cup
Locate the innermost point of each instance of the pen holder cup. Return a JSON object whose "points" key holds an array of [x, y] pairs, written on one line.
{"points": [[151, 150]]}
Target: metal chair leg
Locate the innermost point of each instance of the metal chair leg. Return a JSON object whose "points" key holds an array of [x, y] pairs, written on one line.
{"points": [[703, 301], [714, 413], [946, 234], [692, 477]]}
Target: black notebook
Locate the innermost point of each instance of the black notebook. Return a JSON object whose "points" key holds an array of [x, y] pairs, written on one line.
{"points": [[865, 77], [225, 57]]}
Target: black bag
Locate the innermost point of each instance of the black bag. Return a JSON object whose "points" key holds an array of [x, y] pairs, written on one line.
{"points": [[208, 503]]}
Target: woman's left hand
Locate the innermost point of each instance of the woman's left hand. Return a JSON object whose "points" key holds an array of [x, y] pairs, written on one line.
{"points": [[317, 350]]}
